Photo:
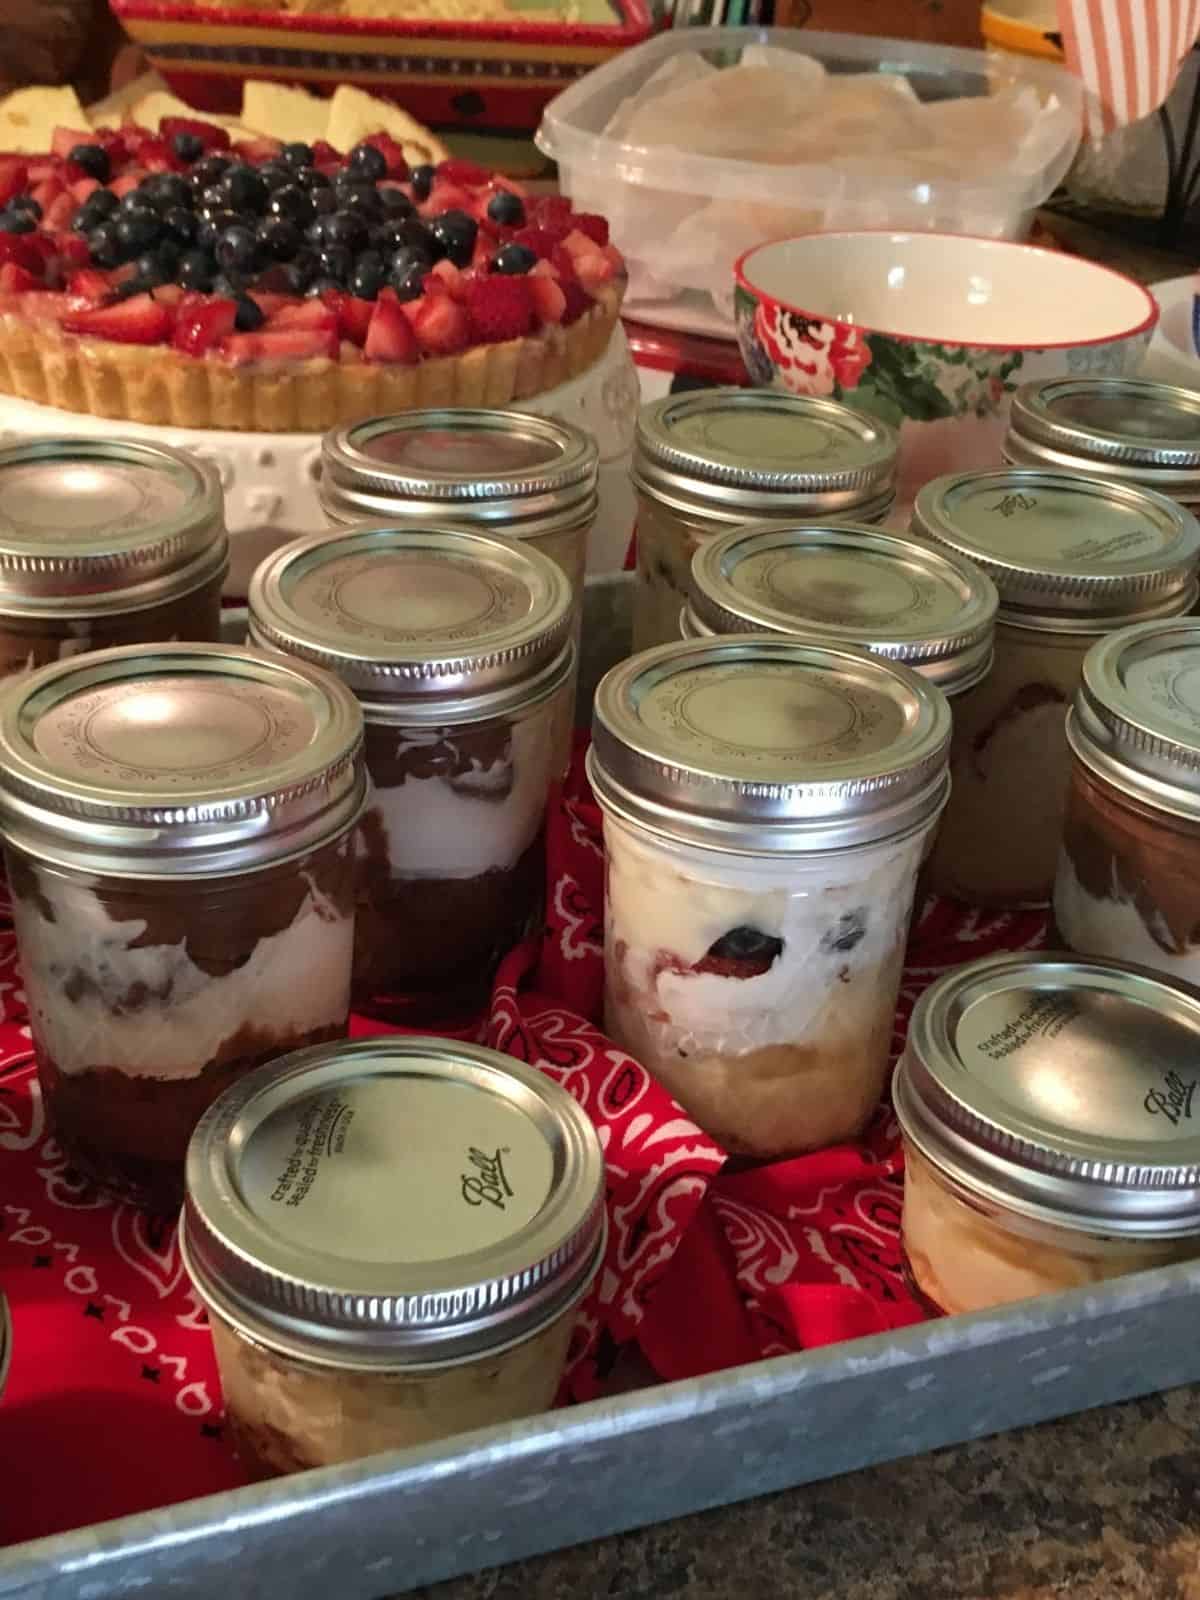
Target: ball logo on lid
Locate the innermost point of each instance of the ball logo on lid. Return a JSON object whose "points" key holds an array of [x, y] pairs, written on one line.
{"points": [[487, 1183], [1172, 1099]]}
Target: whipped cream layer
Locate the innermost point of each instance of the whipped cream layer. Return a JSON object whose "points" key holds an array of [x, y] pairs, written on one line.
{"points": [[1114, 926]]}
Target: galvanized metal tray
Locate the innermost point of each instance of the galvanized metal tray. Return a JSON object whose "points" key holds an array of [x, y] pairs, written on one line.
{"points": [[389, 1524]]}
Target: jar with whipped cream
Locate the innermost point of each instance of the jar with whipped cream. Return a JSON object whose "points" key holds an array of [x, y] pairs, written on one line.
{"points": [[1045, 1104], [1124, 430], [711, 459], [392, 1238], [458, 647], [1128, 883], [1073, 559], [179, 834], [106, 542], [766, 804], [888, 593]]}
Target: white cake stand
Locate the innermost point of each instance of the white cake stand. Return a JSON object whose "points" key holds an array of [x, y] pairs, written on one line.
{"points": [[270, 479]]}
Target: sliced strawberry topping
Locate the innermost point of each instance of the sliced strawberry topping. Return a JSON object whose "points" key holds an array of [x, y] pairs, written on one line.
{"points": [[281, 344], [258, 151], [439, 323], [549, 301], [70, 249], [91, 285], [268, 303], [15, 279], [65, 140], [445, 197], [21, 249], [202, 326], [14, 175], [324, 154], [156, 155], [83, 187], [540, 240], [467, 173], [353, 315], [596, 228], [170, 294], [59, 213], [304, 314], [499, 307], [390, 336], [138, 320], [578, 300], [210, 134], [449, 277], [126, 183]]}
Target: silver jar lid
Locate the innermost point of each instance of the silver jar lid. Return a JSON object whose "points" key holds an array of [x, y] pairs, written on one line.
{"points": [[156, 761], [737, 454], [520, 475], [427, 623], [1123, 429], [99, 525], [1136, 716], [755, 744], [1060, 1088], [1063, 546], [393, 1202], [894, 596]]}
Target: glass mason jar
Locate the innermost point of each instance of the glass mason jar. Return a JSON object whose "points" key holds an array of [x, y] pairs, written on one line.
{"points": [[105, 542], [1038, 1096], [711, 459], [766, 808], [458, 647], [179, 837], [1073, 559], [1129, 871], [459, 1317]]}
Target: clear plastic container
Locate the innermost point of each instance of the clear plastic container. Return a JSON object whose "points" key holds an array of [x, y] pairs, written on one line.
{"points": [[681, 218]]}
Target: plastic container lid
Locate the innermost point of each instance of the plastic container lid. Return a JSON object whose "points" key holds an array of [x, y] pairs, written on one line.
{"points": [[1056, 1086], [1068, 547], [894, 596], [156, 761], [393, 1202], [757, 744], [441, 622], [96, 525]]}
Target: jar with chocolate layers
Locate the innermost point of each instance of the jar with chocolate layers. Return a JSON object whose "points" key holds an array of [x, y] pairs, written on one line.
{"points": [[766, 806], [178, 828], [392, 1238], [1073, 559], [1048, 1142], [458, 647], [528, 478], [105, 542], [1124, 430], [1128, 883], [712, 459], [888, 593]]}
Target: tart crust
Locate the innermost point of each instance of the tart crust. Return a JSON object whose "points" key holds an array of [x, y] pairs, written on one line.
{"points": [[161, 386]]}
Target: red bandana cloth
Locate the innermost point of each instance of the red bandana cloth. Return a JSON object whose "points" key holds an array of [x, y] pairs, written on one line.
{"points": [[112, 1404]]}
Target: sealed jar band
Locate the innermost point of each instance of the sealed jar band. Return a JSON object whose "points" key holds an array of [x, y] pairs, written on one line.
{"points": [[1130, 866], [1045, 1103], [391, 1236], [1124, 430], [849, 584]]}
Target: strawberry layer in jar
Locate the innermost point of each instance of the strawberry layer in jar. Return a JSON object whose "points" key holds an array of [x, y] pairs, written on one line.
{"points": [[1049, 1144], [766, 807], [458, 647], [179, 839], [103, 543]]}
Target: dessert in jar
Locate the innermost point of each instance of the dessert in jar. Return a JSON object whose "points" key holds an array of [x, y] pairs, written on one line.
{"points": [[766, 807], [458, 648], [711, 459], [888, 593], [391, 1238], [1073, 559], [1128, 882], [1124, 430], [1048, 1141], [178, 827], [105, 542]]}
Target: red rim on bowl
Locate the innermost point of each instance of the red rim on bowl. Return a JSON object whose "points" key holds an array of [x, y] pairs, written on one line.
{"points": [[1144, 326]]}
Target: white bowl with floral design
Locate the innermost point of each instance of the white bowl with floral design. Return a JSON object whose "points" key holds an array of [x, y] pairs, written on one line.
{"points": [[932, 332]]}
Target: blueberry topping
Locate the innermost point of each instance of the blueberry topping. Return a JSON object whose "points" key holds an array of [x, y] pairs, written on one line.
{"points": [[506, 208], [395, 203], [195, 270], [188, 147], [849, 930], [324, 200], [367, 278], [164, 190], [406, 273], [134, 285], [276, 175], [136, 230], [213, 199], [292, 203], [746, 944], [228, 285], [249, 315], [336, 262], [279, 238], [237, 249], [104, 246], [243, 189], [93, 158], [398, 232], [514, 260], [16, 222], [361, 200], [454, 233], [208, 171], [312, 179], [345, 228], [26, 202], [368, 162], [213, 224], [157, 266], [297, 155], [421, 179], [179, 225], [101, 203]]}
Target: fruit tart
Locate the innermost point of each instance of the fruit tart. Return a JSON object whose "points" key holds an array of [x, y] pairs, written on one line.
{"points": [[176, 277]]}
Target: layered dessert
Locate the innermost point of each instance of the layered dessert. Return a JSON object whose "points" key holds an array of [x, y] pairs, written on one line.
{"points": [[1126, 883], [964, 1258], [666, 543], [28, 642], [761, 993], [147, 999]]}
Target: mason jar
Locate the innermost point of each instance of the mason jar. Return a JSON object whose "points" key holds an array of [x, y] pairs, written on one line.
{"points": [[1129, 873], [1073, 559], [1042, 1100], [712, 459], [178, 828], [391, 1238], [105, 542], [458, 647], [766, 807], [1124, 430]]}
